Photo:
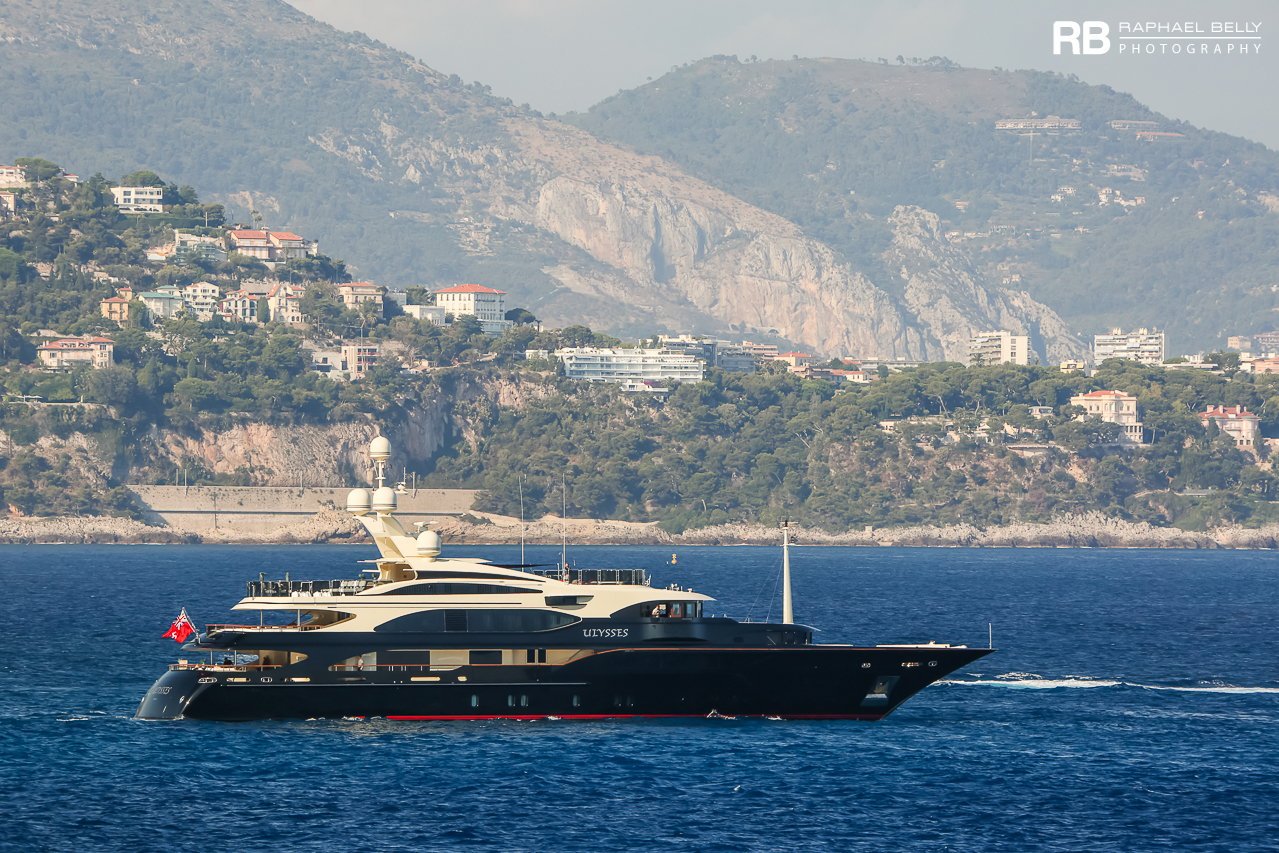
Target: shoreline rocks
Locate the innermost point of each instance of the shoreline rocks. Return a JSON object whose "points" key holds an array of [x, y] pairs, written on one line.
{"points": [[1089, 530]]}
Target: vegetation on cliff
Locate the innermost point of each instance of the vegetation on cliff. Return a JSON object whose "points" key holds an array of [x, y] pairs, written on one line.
{"points": [[771, 445]]}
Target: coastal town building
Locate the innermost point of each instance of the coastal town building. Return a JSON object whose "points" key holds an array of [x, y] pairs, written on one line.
{"points": [[1265, 343], [287, 246], [1047, 123], [116, 309], [250, 243], [358, 358], [201, 299], [725, 355], [239, 306], [607, 364], [8, 204], [1141, 345], [284, 301], [68, 352], [189, 246], [433, 314], [13, 177], [162, 303], [139, 199], [1114, 407], [361, 293], [1262, 365], [1000, 347], [1235, 421], [796, 361], [485, 304]]}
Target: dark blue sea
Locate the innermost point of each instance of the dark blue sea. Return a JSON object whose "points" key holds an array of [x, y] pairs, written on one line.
{"points": [[1133, 705]]}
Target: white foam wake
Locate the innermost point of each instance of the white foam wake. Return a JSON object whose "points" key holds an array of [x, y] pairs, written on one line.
{"points": [[1034, 681], [1039, 683]]}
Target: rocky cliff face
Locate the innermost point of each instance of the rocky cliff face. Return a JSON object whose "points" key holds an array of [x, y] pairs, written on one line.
{"points": [[336, 454], [942, 291], [414, 176]]}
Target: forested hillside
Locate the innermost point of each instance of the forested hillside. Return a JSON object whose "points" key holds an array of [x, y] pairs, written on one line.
{"points": [[835, 145], [924, 446]]}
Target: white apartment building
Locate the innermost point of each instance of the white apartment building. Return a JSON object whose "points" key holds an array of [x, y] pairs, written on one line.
{"points": [[603, 364], [1114, 407], [1143, 345], [475, 300], [139, 199], [201, 299], [998, 348], [163, 303], [434, 314]]}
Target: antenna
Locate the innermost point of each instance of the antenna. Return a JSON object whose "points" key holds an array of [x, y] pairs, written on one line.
{"points": [[788, 609], [521, 519], [564, 526]]}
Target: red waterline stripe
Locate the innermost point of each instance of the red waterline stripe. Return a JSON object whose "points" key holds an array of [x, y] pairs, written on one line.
{"points": [[621, 716]]}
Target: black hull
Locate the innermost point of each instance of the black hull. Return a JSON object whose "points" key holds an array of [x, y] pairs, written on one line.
{"points": [[806, 682]]}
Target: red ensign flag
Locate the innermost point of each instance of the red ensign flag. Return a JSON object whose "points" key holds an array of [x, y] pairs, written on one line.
{"points": [[181, 630]]}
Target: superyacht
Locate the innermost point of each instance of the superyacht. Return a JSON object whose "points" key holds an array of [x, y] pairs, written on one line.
{"points": [[423, 637]]}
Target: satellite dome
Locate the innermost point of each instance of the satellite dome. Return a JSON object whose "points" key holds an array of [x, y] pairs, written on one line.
{"points": [[428, 543], [357, 501], [384, 499], [380, 449]]}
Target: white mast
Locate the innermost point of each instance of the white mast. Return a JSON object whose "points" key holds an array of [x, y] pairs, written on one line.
{"points": [[788, 608]]}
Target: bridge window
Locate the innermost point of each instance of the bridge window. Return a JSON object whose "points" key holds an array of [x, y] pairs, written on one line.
{"points": [[477, 621]]}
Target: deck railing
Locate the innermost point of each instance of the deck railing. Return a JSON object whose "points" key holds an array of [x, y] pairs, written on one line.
{"points": [[631, 577], [263, 588]]}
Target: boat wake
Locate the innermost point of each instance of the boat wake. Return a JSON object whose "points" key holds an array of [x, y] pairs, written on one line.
{"points": [[1033, 681]]}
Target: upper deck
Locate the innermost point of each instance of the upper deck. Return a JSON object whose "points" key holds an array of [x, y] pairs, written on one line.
{"points": [[287, 588]]}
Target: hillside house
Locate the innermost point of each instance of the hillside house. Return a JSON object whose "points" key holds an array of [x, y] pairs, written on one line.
{"points": [[13, 177], [1113, 407], [1235, 421], [240, 306], [485, 304], [201, 299], [251, 243], [285, 303], [116, 309], [163, 302], [362, 293], [139, 199], [63, 353], [188, 246]]}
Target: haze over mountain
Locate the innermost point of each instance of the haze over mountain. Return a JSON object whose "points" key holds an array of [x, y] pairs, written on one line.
{"points": [[784, 201], [1187, 236]]}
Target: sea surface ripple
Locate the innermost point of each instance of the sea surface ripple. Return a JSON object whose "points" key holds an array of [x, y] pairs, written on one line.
{"points": [[1133, 705]]}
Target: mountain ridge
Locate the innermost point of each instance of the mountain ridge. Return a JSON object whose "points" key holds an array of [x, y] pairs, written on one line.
{"points": [[416, 177]]}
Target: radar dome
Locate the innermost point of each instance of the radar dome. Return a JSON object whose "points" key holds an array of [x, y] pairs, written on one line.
{"points": [[428, 543], [380, 449], [357, 501], [384, 499]]}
